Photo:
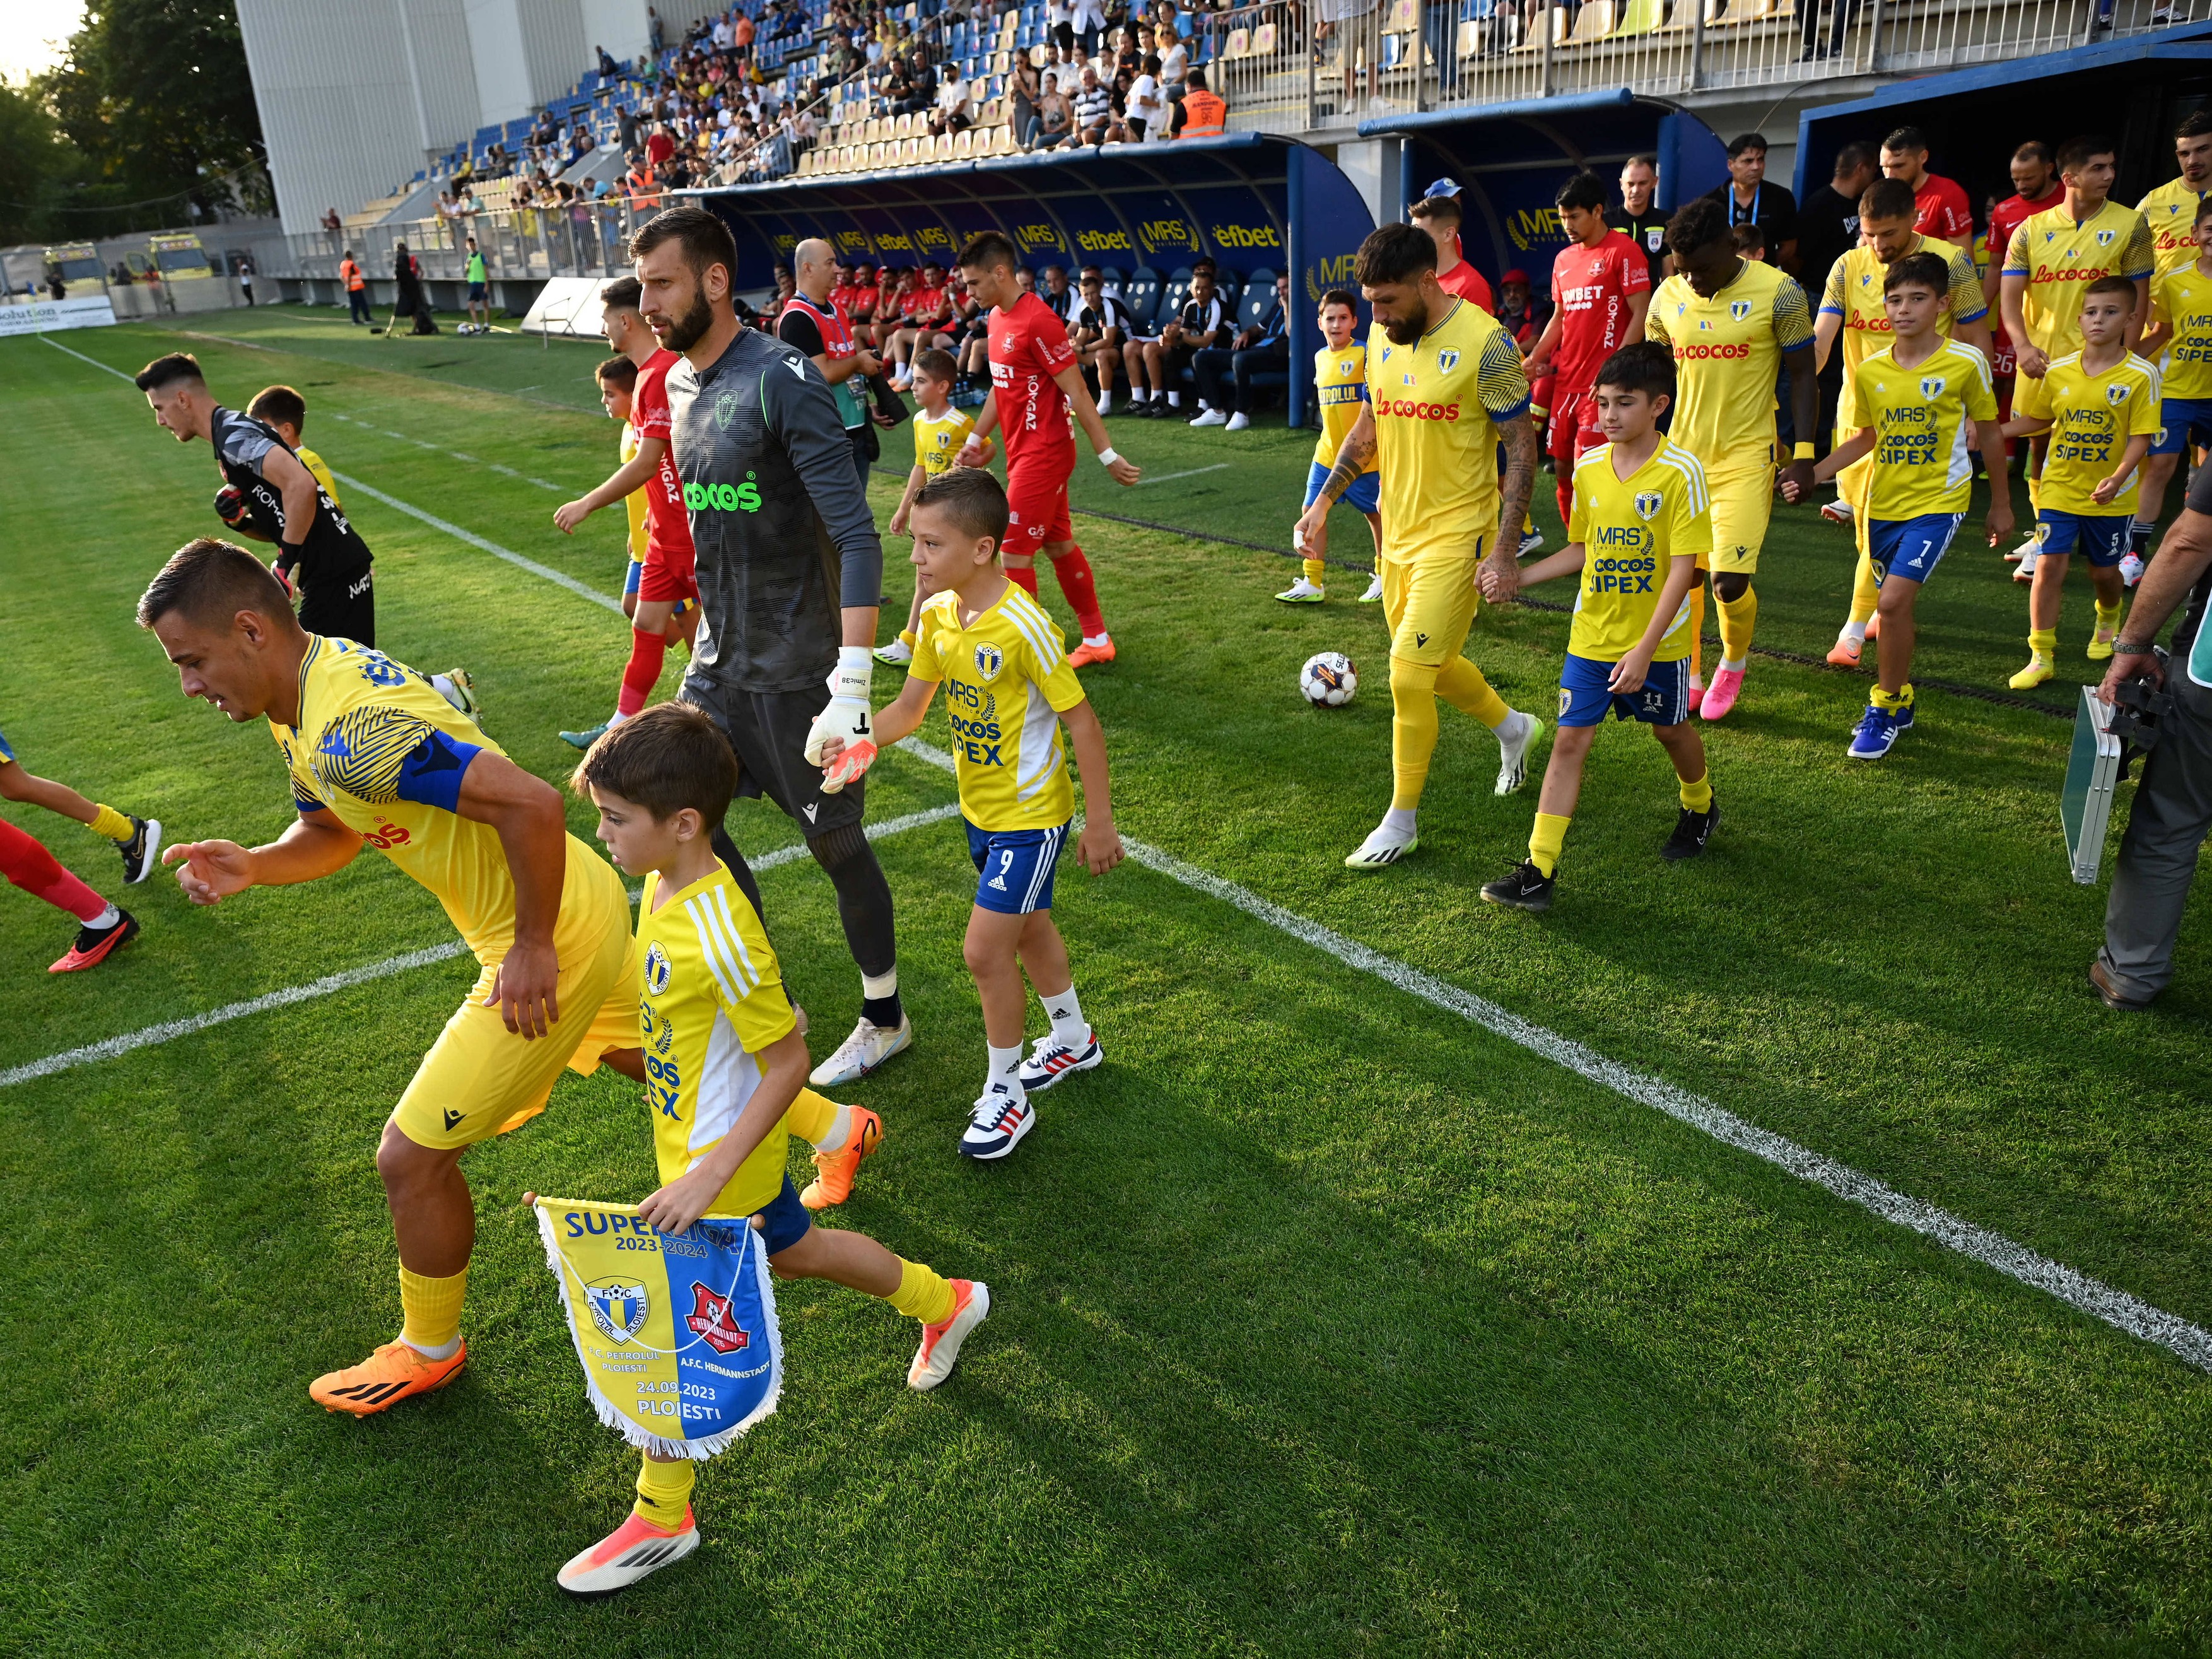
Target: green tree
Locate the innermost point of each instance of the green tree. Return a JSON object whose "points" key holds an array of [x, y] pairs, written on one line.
{"points": [[34, 164], [154, 95]]}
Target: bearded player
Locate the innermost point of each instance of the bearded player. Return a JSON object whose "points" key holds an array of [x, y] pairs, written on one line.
{"points": [[376, 755], [790, 572], [1734, 325], [1600, 289], [1037, 386], [1445, 390]]}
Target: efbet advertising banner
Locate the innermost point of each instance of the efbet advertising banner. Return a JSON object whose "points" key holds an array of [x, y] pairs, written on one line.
{"points": [[676, 1334]]}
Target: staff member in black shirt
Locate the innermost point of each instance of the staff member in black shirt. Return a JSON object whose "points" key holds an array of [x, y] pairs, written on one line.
{"points": [[1638, 217], [1752, 198]]}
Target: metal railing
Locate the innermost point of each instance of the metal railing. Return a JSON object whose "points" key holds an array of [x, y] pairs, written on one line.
{"points": [[583, 239]]}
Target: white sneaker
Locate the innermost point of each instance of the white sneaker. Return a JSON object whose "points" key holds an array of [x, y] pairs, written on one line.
{"points": [[996, 1127], [1239, 421], [2027, 549], [1514, 742], [1837, 512], [2025, 570], [897, 654], [1301, 592], [1212, 418], [1532, 543], [869, 1047], [940, 1344], [625, 1555], [1384, 848], [2131, 568], [1051, 1060], [1374, 593]]}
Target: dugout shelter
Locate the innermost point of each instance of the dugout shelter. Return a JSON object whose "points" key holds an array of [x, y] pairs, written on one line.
{"points": [[1510, 158], [1255, 203]]}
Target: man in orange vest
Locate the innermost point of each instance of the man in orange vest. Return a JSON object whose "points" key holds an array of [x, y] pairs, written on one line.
{"points": [[1204, 115], [356, 287]]}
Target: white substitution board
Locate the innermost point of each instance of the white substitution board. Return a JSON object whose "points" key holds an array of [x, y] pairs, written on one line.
{"points": [[50, 316]]}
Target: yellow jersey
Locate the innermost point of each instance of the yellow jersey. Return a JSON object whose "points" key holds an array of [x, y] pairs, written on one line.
{"points": [[2184, 297], [1854, 294], [2060, 258], [377, 747], [635, 503], [1728, 355], [1006, 680], [1340, 388], [313, 462], [2170, 212], [1922, 417], [1629, 528], [1437, 405], [2091, 418], [710, 997], [938, 438]]}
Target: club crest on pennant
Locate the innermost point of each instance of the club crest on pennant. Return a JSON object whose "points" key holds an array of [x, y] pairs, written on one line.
{"points": [[710, 1321], [1931, 385], [1448, 361], [1739, 310], [1647, 503], [618, 1307]]}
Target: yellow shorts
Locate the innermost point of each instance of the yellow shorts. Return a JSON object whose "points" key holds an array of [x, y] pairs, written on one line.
{"points": [[479, 1078], [1743, 501], [2031, 400], [1429, 602]]}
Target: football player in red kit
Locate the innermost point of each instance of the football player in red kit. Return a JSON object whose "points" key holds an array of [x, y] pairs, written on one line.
{"points": [[1036, 386]]}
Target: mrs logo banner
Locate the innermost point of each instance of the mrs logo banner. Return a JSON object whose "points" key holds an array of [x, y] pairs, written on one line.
{"points": [[676, 1334]]}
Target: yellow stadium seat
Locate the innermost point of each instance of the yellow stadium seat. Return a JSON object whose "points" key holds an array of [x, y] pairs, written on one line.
{"points": [[1263, 40], [1596, 19], [1404, 15], [1240, 43], [1550, 23], [1642, 17]]}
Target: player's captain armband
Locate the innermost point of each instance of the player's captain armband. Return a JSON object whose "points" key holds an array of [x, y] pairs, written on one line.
{"points": [[676, 1332]]}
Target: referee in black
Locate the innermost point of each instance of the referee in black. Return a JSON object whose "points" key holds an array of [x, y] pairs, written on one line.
{"points": [[790, 574]]}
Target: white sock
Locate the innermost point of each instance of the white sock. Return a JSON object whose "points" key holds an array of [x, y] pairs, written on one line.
{"points": [[873, 985], [1097, 639], [1175, 400], [1069, 1028], [1105, 402], [442, 686], [840, 1127], [1005, 1069], [438, 1351], [1854, 631], [1697, 682], [1399, 820], [1735, 666], [616, 718], [107, 919], [1505, 731], [1141, 395]]}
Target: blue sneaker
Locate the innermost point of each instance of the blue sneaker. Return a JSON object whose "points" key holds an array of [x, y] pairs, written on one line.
{"points": [[1875, 735], [1905, 718]]}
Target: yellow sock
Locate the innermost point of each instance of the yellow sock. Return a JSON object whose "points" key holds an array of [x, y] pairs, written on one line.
{"points": [[906, 634], [1698, 796], [1316, 570], [1893, 700], [1865, 596], [2034, 493], [1546, 840], [813, 1117], [432, 1308], [1737, 617], [2043, 641], [1697, 630], [664, 1492], [1413, 730], [2108, 616], [923, 1293], [111, 824], [1460, 683]]}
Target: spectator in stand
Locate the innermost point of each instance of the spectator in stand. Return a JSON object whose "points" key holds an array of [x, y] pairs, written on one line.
{"points": [[332, 222], [1175, 60], [654, 31], [1841, 13], [1225, 377], [608, 68], [1640, 218], [952, 113], [356, 287], [1089, 22], [1055, 116], [1199, 114], [1146, 113], [1438, 213], [1022, 95], [1094, 109], [1060, 22], [1828, 222], [1944, 212], [659, 147], [1752, 199]]}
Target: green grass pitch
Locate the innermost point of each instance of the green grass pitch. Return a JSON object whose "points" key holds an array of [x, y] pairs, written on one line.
{"points": [[1325, 1324]]}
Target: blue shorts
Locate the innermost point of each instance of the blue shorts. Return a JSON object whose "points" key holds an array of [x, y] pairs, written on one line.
{"points": [[1014, 867], [1365, 493], [2182, 422], [636, 573], [784, 1220], [476, 290], [2103, 537], [1663, 700], [6, 753], [1910, 547]]}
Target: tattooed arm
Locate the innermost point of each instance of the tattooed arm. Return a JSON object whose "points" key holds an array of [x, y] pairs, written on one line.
{"points": [[1353, 456], [1501, 571]]}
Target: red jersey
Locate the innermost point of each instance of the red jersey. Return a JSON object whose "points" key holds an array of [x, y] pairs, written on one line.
{"points": [[1941, 211], [1591, 287], [2009, 216], [861, 302], [668, 527], [1029, 346], [1464, 280], [922, 302]]}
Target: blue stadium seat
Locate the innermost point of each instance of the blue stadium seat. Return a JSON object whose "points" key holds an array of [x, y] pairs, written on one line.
{"points": [[1259, 298], [1140, 295]]}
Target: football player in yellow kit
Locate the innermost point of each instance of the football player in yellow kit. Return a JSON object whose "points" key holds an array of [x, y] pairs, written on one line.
{"points": [[1340, 388], [1445, 390], [1734, 325], [2179, 341], [377, 756]]}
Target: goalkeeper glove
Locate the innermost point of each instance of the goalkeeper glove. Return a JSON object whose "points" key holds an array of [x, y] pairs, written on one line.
{"points": [[230, 506], [847, 717]]}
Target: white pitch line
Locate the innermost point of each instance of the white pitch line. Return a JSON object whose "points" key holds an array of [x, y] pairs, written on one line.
{"points": [[170, 1030], [560, 578], [2115, 1308], [1169, 478]]}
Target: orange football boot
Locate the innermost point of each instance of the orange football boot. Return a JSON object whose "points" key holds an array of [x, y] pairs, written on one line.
{"points": [[833, 1171], [384, 1378], [1086, 653]]}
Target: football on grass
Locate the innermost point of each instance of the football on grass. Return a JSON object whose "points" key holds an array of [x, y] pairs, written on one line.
{"points": [[1328, 679]]}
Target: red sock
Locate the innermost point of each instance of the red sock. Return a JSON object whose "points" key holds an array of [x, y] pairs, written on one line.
{"points": [[1074, 574], [646, 653], [28, 863], [1567, 498], [1024, 577]]}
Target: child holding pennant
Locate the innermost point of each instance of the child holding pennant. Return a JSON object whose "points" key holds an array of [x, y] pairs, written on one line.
{"points": [[687, 1356]]}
